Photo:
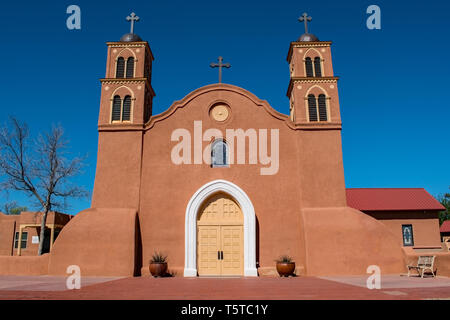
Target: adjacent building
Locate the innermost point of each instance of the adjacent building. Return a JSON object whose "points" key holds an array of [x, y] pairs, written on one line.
{"points": [[411, 214], [19, 234]]}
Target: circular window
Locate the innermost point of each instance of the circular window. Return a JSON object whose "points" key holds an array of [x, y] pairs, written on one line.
{"points": [[220, 112]]}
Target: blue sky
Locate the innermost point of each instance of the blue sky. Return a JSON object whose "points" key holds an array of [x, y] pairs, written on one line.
{"points": [[393, 82]]}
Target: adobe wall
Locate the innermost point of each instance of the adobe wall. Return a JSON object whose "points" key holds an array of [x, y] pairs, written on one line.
{"points": [[321, 177], [344, 241], [30, 266], [425, 226], [117, 176], [101, 241], [7, 227]]}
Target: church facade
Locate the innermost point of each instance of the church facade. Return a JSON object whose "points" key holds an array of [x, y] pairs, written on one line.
{"points": [[221, 182]]}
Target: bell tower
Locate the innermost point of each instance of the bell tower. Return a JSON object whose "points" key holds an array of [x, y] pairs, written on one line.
{"points": [[127, 92], [315, 114], [312, 91], [125, 107]]}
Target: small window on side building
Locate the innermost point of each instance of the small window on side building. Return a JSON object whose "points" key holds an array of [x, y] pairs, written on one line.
{"points": [[23, 243], [407, 233]]}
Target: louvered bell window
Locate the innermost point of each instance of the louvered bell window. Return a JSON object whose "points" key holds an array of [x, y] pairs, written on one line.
{"points": [[130, 67], [312, 108], [126, 109], [116, 108], [309, 67], [120, 68], [323, 108], [317, 67]]}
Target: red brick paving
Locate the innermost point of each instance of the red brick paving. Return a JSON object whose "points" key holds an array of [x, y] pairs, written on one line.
{"points": [[301, 288]]}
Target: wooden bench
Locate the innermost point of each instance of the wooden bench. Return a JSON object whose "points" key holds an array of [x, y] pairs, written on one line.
{"points": [[424, 263]]}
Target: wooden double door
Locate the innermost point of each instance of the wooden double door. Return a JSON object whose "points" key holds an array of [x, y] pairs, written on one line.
{"points": [[220, 238]]}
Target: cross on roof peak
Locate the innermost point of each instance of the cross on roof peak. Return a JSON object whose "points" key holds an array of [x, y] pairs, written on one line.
{"points": [[220, 65], [304, 18], [132, 17]]}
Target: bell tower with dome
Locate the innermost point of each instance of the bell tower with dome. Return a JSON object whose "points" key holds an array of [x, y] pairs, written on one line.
{"points": [[125, 107], [313, 92], [315, 114]]}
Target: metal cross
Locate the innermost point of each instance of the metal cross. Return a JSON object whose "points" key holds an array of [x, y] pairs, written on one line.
{"points": [[220, 65], [304, 18], [132, 17]]}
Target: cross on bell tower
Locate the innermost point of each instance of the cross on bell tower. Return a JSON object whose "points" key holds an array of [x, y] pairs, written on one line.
{"points": [[132, 17], [304, 18], [220, 65]]}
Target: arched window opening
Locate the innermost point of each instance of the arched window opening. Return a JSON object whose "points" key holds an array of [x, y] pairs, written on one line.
{"points": [[309, 67], [317, 66], [120, 67], [323, 108], [219, 154], [130, 67], [115, 115], [126, 109], [312, 108]]}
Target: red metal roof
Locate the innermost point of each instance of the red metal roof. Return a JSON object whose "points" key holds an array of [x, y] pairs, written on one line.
{"points": [[391, 199], [445, 226]]}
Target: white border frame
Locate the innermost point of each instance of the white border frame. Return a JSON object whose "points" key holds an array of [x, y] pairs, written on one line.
{"points": [[190, 264]]}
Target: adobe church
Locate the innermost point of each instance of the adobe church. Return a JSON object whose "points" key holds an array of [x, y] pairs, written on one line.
{"points": [[224, 184]]}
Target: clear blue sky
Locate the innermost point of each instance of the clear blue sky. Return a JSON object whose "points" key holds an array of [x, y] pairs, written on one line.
{"points": [[393, 88]]}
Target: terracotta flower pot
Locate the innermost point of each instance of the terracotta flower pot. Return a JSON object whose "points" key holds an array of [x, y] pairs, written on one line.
{"points": [[158, 269], [285, 269]]}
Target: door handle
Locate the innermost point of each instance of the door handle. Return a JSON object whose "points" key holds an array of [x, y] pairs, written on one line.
{"points": [[218, 255], [221, 255]]}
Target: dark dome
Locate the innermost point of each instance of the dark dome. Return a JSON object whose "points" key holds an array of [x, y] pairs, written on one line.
{"points": [[308, 37], [130, 37]]}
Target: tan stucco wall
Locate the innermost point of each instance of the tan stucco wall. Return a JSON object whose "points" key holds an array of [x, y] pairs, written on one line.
{"points": [[343, 241], [7, 227], [117, 178], [37, 265], [425, 226], [99, 241]]}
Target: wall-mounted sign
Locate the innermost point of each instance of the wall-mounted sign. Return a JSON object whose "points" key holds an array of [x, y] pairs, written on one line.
{"points": [[35, 239]]}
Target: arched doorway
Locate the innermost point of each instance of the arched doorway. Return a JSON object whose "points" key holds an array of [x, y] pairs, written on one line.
{"points": [[195, 207], [220, 237]]}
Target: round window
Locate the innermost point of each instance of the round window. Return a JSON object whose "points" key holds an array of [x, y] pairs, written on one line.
{"points": [[220, 112]]}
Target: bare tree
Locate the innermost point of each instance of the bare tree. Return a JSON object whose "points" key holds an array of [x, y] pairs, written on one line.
{"points": [[39, 168]]}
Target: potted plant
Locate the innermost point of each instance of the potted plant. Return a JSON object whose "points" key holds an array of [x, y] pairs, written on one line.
{"points": [[158, 265], [285, 266]]}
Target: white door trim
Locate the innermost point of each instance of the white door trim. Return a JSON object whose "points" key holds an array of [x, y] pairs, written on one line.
{"points": [[190, 264]]}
